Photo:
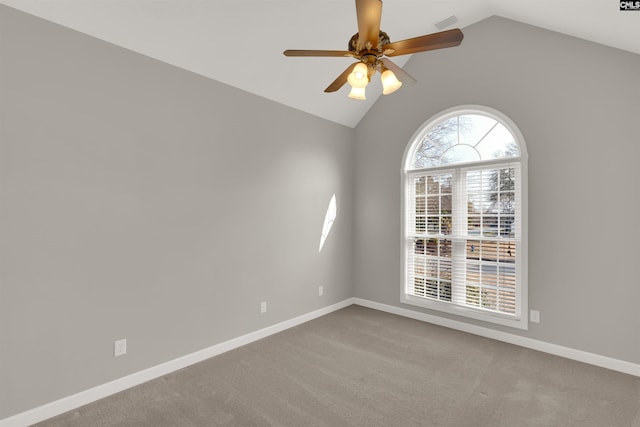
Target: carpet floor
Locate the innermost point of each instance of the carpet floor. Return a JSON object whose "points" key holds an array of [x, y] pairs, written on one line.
{"points": [[362, 367]]}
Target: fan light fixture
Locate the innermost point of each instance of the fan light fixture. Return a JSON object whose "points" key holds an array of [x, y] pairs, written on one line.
{"points": [[390, 82], [357, 93], [359, 79]]}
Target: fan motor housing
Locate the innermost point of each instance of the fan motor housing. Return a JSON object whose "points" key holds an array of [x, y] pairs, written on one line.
{"points": [[383, 39]]}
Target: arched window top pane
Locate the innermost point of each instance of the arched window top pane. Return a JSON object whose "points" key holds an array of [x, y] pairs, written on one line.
{"points": [[462, 138]]}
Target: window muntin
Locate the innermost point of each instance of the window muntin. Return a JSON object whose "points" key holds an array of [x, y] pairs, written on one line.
{"points": [[463, 219], [461, 139]]}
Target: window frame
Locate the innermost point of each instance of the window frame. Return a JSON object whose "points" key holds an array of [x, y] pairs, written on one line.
{"points": [[407, 171]]}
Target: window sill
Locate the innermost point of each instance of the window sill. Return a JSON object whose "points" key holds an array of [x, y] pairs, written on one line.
{"points": [[468, 312]]}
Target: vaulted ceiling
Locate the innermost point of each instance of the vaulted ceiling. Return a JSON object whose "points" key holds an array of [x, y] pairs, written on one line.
{"points": [[240, 42]]}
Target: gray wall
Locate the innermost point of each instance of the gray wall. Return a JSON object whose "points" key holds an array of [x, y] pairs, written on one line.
{"points": [[142, 201], [577, 105]]}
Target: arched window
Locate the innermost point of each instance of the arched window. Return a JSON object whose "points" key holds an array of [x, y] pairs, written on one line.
{"points": [[465, 217]]}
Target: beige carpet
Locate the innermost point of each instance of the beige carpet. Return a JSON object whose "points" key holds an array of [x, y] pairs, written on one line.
{"points": [[361, 367]]}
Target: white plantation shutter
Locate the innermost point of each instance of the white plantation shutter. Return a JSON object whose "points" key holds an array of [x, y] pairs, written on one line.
{"points": [[463, 231], [492, 238], [429, 236]]}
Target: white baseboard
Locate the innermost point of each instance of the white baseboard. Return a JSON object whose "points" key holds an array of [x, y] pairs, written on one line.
{"points": [[69, 403], [558, 350]]}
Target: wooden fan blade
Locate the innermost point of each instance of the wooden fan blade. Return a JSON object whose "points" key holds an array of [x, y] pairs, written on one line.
{"points": [[369, 13], [401, 74], [341, 80], [434, 41], [337, 53]]}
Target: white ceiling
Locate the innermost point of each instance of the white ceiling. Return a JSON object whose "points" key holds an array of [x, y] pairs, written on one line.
{"points": [[240, 42]]}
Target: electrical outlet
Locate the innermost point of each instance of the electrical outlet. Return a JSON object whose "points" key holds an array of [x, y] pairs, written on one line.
{"points": [[320, 291], [263, 307], [119, 347], [534, 316]]}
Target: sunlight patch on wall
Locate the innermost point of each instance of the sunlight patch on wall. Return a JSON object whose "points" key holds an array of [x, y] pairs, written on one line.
{"points": [[329, 217]]}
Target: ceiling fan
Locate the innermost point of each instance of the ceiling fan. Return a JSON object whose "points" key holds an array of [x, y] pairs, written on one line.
{"points": [[370, 47]]}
